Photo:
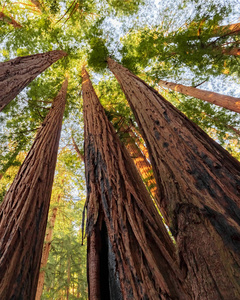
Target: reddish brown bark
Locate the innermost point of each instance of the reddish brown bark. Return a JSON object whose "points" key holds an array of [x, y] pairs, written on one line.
{"points": [[235, 51], [227, 30], [23, 213], [138, 139], [9, 20], [37, 4], [80, 155], [231, 103], [199, 186], [143, 165], [17, 73], [144, 253], [46, 251]]}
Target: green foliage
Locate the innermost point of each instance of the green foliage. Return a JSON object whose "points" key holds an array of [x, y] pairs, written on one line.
{"points": [[221, 124], [185, 48], [126, 7], [97, 57], [194, 46], [66, 268]]}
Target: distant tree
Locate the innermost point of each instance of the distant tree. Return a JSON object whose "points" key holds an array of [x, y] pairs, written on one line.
{"points": [[46, 249], [9, 20], [227, 102]]}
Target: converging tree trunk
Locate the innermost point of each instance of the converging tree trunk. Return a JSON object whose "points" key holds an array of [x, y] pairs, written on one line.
{"points": [[24, 211], [228, 102], [46, 251], [138, 251], [17, 73], [79, 154], [143, 165], [9, 20], [199, 187]]}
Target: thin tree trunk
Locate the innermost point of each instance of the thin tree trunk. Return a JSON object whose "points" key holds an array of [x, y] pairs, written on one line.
{"points": [[228, 102], [137, 138], [24, 211], [143, 252], [46, 251], [231, 51], [199, 186], [143, 165], [226, 30], [17, 73], [37, 4], [80, 155], [68, 277], [9, 20]]}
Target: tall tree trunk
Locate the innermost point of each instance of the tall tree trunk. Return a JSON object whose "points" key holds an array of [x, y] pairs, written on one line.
{"points": [[46, 251], [144, 253], [24, 211], [143, 165], [17, 73], [199, 186], [9, 20], [228, 102]]}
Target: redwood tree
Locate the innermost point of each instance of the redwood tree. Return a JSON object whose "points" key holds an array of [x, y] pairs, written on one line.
{"points": [[231, 103], [9, 20], [199, 187], [17, 73], [143, 165], [24, 211], [127, 241]]}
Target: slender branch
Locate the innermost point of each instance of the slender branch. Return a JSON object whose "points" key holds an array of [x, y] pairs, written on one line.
{"points": [[67, 11], [200, 83]]}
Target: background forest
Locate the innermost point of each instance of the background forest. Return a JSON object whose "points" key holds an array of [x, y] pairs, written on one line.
{"points": [[181, 41]]}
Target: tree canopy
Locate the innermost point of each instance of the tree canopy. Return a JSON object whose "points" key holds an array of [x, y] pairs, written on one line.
{"points": [[184, 41]]}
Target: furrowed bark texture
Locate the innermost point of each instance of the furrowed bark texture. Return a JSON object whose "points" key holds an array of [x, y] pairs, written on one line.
{"points": [[231, 103], [199, 186], [24, 211], [9, 20], [144, 253], [103, 278], [143, 165], [46, 251], [17, 73]]}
